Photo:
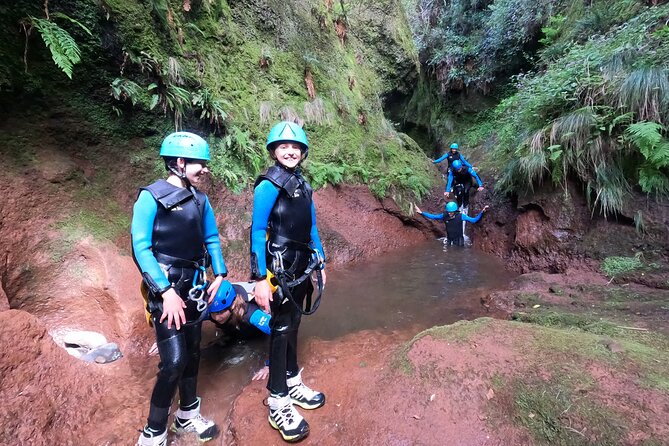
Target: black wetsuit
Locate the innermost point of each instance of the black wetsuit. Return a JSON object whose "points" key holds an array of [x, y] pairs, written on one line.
{"points": [[283, 210], [170, 229]]}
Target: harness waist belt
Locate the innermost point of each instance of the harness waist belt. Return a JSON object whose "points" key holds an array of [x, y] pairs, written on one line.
{"points": [[278, 241], [179, 262]]}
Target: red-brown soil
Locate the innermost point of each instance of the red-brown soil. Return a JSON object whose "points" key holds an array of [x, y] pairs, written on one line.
{"points": [[67, 280]]}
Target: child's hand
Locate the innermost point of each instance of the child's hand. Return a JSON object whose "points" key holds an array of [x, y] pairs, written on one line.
{"points": [[263, 295], [485, 208], [418, 209], [261, 374], [173, 309], [213, 288], [480, 188]]}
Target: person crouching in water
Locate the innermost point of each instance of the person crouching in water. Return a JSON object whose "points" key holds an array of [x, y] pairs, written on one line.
{"points": [[285, 242], [453, 219], [234, 309], [173, 233]]}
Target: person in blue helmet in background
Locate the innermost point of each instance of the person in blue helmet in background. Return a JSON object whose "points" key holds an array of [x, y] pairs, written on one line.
{"points": [[174, 234], [452, 155], [460, 181], [285, 246], [453, 219]]}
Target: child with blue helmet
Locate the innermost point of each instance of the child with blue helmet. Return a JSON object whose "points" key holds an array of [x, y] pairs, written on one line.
{"points": [[453, 219], [460, 181], [452, 155], [174, 239]]}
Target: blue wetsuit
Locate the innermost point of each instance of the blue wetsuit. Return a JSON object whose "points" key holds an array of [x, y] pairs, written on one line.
{"points": [[450, 156], [454, 226], [461, 181], [171, 228], [284, 225]]}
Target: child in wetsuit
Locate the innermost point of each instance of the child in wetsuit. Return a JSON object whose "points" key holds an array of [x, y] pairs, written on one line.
{"points": [[285, 242], [173, 234], [453, 219]]}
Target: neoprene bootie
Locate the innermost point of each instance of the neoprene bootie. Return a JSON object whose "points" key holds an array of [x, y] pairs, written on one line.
{"points": [[286, 419]]}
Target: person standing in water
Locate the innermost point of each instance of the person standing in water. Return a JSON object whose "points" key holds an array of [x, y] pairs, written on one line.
{"points": [[173, 234], [285, 244], [453, 219]]}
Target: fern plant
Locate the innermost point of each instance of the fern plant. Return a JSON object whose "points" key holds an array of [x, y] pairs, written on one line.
{"points": [[124, 89], [211, 108], [648, 138], [64, 50]]}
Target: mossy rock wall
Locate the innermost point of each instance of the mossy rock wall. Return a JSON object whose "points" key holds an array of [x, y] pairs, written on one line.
{"points": [[327, 64]]}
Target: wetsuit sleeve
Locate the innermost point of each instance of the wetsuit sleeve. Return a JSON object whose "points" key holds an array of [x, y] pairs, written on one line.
{"points": [[212, 241], [264, 197], [472, 172], [433, 216], [141, 231], [315, 239], [440, 159], [450, 180], [256, 317], [466, 217], [465, 162]]}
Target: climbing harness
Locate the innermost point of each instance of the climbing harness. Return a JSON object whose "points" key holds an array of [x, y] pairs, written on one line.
{"points": [[198, 292], [286, 278]]}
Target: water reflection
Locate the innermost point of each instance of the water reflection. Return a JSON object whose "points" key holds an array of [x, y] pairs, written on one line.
{"points": [[414, 288]]}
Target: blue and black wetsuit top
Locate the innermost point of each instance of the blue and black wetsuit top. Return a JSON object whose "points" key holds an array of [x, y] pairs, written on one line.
{"points": [[171, 225], [452, 157], [453, 222], [462, 176], [283, 216]]}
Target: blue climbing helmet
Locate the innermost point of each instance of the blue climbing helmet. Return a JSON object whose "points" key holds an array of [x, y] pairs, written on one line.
{"points": [[457, 164], [451, 206], [224, 297], [185, 145], [455, 146], [286, 131]]}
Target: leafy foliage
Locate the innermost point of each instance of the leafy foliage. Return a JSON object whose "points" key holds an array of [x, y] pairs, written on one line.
{"points": [[596, 113], [64, 50], [648, 138], [614, 266], [124, 89], [476, 42], [210, 107]]}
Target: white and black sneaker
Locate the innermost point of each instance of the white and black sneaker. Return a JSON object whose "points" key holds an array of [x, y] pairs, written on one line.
{"points": [[302, 395], [150, 437], [286, 419], [187, 421]]}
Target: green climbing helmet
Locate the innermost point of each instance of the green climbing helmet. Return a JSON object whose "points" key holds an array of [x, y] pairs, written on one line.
{"points": [[185, 145], [455, 146], [286, 131], [451, 206]]}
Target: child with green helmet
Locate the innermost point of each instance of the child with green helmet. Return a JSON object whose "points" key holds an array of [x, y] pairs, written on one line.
{"points": [[285, 245], [174, 235]]}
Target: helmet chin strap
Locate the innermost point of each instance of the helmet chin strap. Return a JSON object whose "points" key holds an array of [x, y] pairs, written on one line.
{"points": [[181, 174]]}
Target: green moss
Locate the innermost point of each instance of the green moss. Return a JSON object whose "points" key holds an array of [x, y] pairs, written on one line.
{"points": [[585, 322], [555, 414]]}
